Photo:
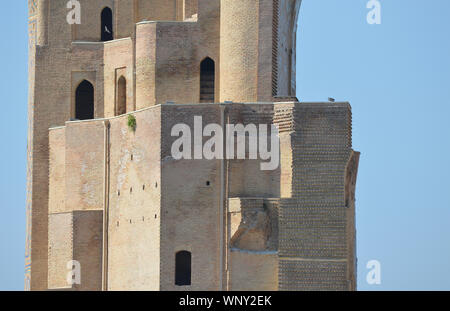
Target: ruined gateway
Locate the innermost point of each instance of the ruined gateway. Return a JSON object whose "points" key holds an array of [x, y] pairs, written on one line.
{"points": [[110, 196]]}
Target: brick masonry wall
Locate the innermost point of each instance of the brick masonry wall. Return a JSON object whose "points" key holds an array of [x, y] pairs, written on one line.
{"points": [[87, 248], [177, 69], [250, 222], [75, 236], [134, 216], [156, 10], [246, 179], [253, 271], [190, 218], [145, 65], [313, 233], [313, 244], [76, 204], [90, 27], [238, 50], [286, 49], [265, 50], [118, 61], [60, 249], [125, 18], [160, 60], [57, 171]]}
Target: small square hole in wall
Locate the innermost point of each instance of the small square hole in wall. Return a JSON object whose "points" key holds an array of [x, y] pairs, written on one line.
{"points": [[118, 193], [208, 183], [156, 216], [131, 157], [143, 187], [156, 185]]}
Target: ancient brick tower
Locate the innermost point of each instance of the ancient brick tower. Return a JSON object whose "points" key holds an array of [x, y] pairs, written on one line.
{"points": [[104, 189]]}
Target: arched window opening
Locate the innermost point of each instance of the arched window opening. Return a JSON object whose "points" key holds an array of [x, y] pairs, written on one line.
{"points": [[121, 96], [107, 25], [207, 77], [183, 268], [84, 101]]}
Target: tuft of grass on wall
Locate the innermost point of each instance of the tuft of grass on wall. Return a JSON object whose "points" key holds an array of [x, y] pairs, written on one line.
{"points": [[132, 123]]}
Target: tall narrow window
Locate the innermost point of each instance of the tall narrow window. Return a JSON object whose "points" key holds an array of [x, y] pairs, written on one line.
{"points": [[121, 96], [84, 101], [183, 268], [107, 24], [207, 76]]}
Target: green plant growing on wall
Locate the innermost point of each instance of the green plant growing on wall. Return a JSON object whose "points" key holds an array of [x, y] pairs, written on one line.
{"points": [[132, 123]]}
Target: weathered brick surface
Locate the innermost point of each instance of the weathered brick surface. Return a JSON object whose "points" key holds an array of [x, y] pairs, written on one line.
{"points": [[75, 236], [253, 271], [87, 248], [118, 61], [153, 211], [314, 218], [114, 198], [190, 208], [84, 167], [60, 249], [134, 210], [239, 34], [312, 275]]}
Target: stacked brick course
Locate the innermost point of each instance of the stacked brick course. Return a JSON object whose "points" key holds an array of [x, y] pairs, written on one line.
{"points": [[113, 198]]}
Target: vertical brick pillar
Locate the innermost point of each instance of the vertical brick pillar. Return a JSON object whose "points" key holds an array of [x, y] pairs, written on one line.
{"points": [[313, 221]]}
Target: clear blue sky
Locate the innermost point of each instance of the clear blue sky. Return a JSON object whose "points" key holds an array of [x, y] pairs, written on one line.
{"points": [[396, 76]]}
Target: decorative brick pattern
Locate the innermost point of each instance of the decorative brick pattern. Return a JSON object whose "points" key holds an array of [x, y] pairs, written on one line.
{"points": [[313, 220], [115, 199]]}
